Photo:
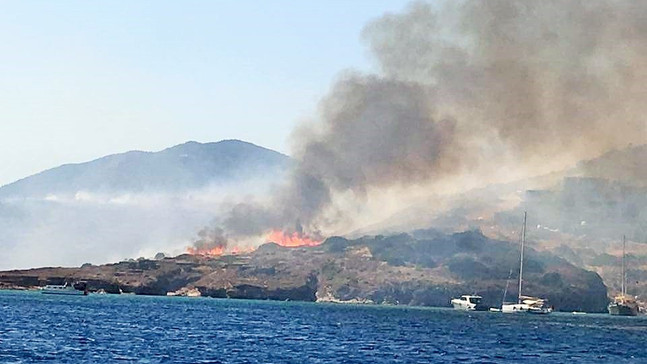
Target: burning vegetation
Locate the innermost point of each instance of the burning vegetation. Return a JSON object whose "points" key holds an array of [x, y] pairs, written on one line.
{"points": [[292, 240], [463, 89], [213, 243], [212, 252]]}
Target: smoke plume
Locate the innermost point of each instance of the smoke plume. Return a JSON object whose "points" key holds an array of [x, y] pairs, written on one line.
{"points": [[210, 241], [465, 89]]}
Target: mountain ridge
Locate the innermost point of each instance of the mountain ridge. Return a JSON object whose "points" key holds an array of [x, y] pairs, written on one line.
{"points": [[130, 204], [183, 166]]}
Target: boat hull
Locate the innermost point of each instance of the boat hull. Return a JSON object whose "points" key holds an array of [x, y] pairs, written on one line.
{"points": [[461, 306], [65, 292], [469, 303], [540, 310], [77, 289], [514, 308], [623, 310]]}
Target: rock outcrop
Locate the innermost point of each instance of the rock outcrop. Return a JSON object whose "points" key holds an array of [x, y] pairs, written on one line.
{"points": [[426, 268]]}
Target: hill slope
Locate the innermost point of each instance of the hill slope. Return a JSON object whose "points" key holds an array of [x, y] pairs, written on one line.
{"points": [[427, 268], [627, 165]]}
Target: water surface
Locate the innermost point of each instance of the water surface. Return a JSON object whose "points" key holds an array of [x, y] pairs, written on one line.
{"points": [[107, 328]]}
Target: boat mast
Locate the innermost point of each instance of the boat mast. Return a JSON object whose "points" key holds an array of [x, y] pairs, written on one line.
{"points": [[523, 241], [624, 273], [507, 283]]}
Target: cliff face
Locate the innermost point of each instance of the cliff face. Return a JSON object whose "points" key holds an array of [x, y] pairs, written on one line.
{"points": [[426, 268], [225, 277]]}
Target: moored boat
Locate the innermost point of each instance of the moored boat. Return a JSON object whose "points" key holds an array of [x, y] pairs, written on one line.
{"points": [[76, 289], [525, 303], [528, 304], [469, 303], [622, 304], [537, 305]]}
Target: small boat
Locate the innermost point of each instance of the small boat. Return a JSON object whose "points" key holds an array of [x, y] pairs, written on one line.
{"points": [[76, 289], [536, 305], [511, 307], [623, 305], [469, 303], [526, 304]]}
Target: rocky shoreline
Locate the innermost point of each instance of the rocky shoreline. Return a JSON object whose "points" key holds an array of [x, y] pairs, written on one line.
{"points": [[426, 269]]}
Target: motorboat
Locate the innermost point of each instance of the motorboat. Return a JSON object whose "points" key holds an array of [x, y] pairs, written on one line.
{"points": [[469, 303], [76, 289]]}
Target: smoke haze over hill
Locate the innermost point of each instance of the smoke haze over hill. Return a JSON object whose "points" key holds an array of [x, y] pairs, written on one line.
{"points": [[469, 92], [129, 205]]}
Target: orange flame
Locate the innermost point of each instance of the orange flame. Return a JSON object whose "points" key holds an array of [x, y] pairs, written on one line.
{"points": [[241, 250], [279, 237], [291, 240], [213, 252]]}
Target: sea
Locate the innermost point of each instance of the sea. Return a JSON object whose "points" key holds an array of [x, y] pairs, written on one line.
{"points": [[138, 329]]}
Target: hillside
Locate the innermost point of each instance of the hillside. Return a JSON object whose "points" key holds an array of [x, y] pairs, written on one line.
{"points": [[183, 167], [627, 165], [597, 200], [426, 268]]}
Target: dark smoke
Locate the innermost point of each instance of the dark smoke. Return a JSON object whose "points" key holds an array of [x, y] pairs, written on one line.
{"points": [[375, 132], [466, 87], [210, 238], [548, 78]]}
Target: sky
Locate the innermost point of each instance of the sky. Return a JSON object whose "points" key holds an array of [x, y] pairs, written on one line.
{"points": [[80, 80]]}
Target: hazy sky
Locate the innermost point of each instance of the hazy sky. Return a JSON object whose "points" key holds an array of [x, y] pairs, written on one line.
{"points": [[81, 79]]}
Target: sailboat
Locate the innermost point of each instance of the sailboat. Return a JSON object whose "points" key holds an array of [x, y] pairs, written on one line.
{"points": [[525, 303], [622, 304]]}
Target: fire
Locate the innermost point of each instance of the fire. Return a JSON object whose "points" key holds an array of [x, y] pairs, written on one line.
{"points": [[241, 250], [220, 250], [212, 252], [291, 240]]}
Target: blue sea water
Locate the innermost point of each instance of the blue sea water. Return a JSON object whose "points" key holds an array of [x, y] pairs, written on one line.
{"points": [[107, 328]]}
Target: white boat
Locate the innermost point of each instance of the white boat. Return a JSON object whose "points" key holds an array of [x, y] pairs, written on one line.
{"points": [[526, 304], [77, 289], [511, 307], [623, 304], [468, 303]]}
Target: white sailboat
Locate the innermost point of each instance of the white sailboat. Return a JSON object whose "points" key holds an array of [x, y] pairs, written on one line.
{"points": [[525, 303], [623, 304]]}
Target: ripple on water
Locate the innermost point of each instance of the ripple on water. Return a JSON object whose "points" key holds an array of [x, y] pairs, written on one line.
{"points": [[106, 328]]}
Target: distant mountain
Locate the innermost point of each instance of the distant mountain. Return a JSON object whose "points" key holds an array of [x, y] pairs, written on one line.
{"points": [[186, 166], [131, 204]]}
